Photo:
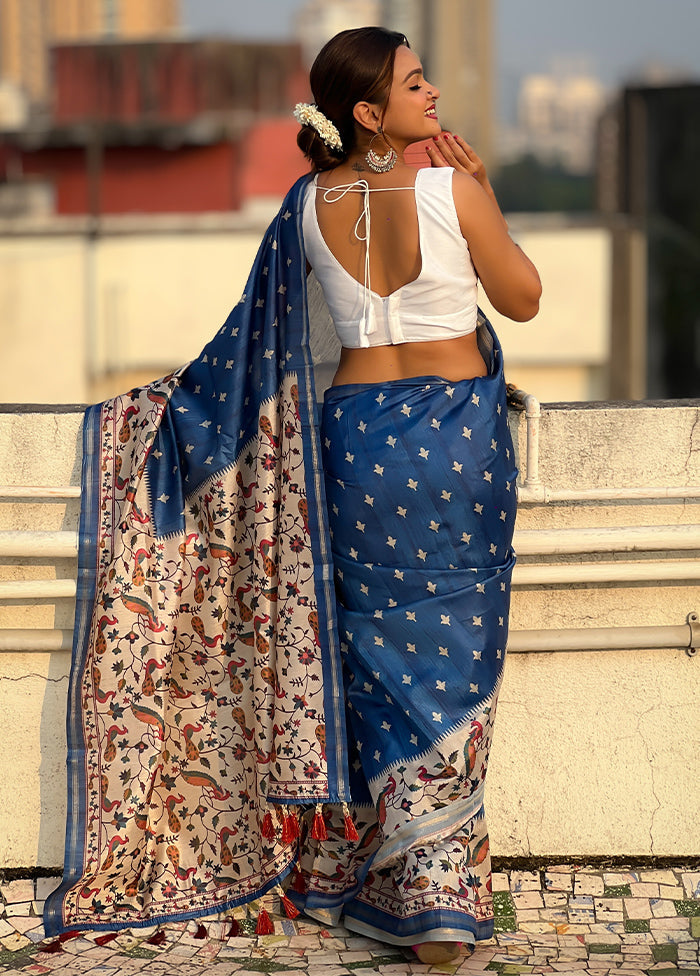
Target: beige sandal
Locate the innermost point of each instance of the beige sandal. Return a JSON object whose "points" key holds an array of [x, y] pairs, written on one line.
{"points": [[436, 953]]}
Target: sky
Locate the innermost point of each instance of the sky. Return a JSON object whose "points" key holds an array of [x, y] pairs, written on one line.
{"points": [[612, 38]]}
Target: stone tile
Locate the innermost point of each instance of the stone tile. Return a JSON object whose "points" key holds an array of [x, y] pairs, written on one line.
{"points": [[500, 881], [18, 909], [25, 923], [663, 876], [525, 881], [14, 891], [603, 938], [568, 969], [672, 892], [511, 938], [606, 905], [644, 889], [614, 928], [614, 878], [527, 899], [608, 916], [528, 915], [637, 907], [15, 941], [663, 909], [581, 901], [555, 899], [670, 938], [535, 927], [588, 884], [554, 914], [677, 923], [570, 941], [691, 883], [558, 880]]}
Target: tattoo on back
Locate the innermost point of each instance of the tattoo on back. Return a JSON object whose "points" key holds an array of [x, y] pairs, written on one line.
{"points": [[358, 167]]}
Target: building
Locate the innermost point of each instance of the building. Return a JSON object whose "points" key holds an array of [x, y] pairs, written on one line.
{"points": [[319, 20], [160, 127], [454, 39], [649, 160], [29, 28], [556, 120]]}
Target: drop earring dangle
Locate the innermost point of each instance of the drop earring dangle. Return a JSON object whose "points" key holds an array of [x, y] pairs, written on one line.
{"points": [[377, 163]]}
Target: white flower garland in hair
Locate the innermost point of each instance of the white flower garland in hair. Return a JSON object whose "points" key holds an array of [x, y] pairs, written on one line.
{"points": [[306, 114]]}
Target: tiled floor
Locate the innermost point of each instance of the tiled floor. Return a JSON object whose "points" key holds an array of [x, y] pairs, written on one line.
{"points": [[566, 919]]}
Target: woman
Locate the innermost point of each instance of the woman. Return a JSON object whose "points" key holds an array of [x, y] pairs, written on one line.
{"points": [[420, 480], [206, 705]]}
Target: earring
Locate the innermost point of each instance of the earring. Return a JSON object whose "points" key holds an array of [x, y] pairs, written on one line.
{"points": [[377, 163]]}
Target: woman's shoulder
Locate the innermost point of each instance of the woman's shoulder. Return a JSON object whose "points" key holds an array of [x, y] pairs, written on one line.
{"points": [[446, 181], [435, 175]]}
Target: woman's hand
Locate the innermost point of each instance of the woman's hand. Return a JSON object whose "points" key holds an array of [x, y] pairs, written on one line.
{"points": [[449, 150]]}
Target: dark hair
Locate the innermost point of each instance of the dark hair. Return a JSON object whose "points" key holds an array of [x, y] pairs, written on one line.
{"points": [[354, 66]]}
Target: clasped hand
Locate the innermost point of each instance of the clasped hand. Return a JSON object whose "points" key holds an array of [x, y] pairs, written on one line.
{"points": [[449, 150]]}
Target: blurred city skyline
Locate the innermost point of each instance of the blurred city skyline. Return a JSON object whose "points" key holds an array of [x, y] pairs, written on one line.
{"points": [[615, 40]]}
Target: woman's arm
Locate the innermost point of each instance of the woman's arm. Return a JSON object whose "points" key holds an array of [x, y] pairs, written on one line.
{"points": [[509, 278]]}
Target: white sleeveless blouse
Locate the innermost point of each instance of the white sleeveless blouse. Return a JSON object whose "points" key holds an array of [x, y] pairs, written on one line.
{"points": [[440, 303]]}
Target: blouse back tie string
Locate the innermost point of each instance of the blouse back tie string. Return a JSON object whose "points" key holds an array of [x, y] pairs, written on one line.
{"points": [[333, 194]]}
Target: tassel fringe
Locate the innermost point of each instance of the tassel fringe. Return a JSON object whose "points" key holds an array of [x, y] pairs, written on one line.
{"points": [[350, 829], [268, 827], [201, 932], [298, 884], [265, 925], [108, 937], [235, 929], [157, 940], [318, 829], [290, 828], [57, 945], [290, 909]]}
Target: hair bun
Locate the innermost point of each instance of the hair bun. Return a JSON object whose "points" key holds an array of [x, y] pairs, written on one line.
{"points": [[316, 151]]}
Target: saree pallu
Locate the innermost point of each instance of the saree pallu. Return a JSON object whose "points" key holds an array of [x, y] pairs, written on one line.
{"points": [[205, 700], [420, 482]]}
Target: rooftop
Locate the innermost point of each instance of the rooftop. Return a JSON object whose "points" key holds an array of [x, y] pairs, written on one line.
{"points": [[564, 919]]}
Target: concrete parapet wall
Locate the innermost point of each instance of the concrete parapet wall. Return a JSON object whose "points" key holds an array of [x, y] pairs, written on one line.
{"points": [[597, 751]]}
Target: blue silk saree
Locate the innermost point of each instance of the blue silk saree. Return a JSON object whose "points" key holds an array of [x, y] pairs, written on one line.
{"points": [[210, 756], [420, 482]]}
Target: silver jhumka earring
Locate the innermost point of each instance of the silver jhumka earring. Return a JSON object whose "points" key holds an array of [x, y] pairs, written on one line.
{"points": [[377, 163]]}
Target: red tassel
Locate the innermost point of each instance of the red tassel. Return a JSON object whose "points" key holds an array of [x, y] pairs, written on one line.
{"points": [[265, 925], [53, 947], [298, 884], [157, 940], [235, 929], [350, 829], [57, 946], [102, 940], [201, 932], [318, 829], [290, 908], [290, 829], [268, 827]]}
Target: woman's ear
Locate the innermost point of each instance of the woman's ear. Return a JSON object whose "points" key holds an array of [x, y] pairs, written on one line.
{"points": [[367, 115]]}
